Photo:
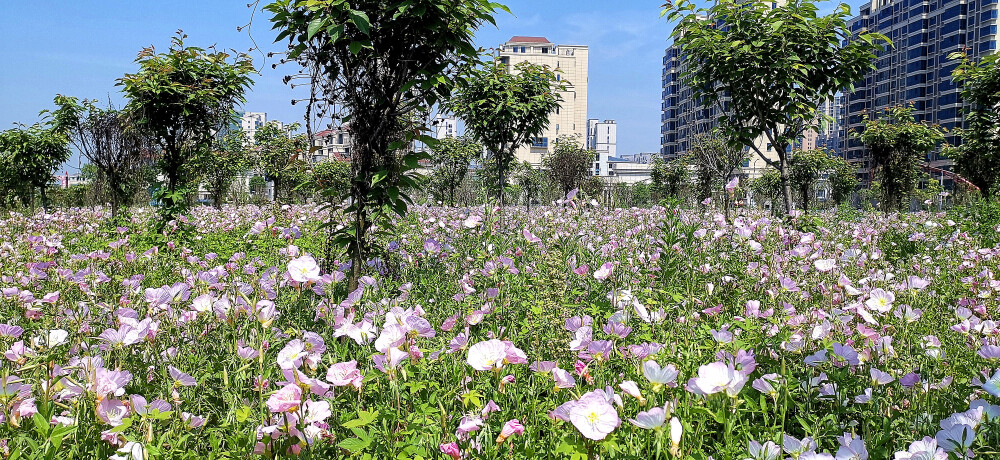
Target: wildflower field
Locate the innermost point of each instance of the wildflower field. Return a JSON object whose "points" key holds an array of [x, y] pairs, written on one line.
{"points": [[563, 333]]}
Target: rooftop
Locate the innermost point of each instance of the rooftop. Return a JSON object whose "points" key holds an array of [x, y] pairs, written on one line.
{"points": [[520, 39]]}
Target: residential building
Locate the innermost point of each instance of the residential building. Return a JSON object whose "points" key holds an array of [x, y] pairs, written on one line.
{"points": [[334, 145], [68, 180], [250, 122], [916, 70], [445, 127], [602, 138], [571, 65]]}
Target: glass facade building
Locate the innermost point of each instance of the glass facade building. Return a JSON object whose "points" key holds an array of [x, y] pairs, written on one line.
{"points": [[916, 70]]}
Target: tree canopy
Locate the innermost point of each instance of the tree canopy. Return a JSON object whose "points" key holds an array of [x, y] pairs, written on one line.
{"points": [[977, 159], [765, 68]]}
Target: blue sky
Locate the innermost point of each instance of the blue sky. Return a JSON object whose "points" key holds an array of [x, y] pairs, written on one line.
{"points": [[80, 47]]}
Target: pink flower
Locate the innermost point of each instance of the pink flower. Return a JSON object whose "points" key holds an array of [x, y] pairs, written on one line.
{"points": [[630, 388], [287, 399], [880, 300], [563, 379], [343, 374], [487, 355], [715, 378], [303, 269], [451, 450], [604, 272], [825, 265], [181, 379], [512, 427], [594, 416]]}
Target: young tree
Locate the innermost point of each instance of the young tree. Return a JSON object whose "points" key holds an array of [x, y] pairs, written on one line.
{"points": [[715, 160], [805, 169], [532, 182], [569, 163], [766, 69], [767, 188], [506, 108], [668, 178], [33, 153], [978, 158], [279, 152], [843, 180], [898, 146], [333, 179], [109, 138], [181, 98], [451, 158], [382, 61], [229, 158]]}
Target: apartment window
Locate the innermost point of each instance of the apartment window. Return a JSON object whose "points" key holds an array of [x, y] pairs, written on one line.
{"points": [[545, 50], [340, 138], [769, 147], [524, 50], [540, 142]]}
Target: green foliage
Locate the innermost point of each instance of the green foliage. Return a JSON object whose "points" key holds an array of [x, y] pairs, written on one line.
{"points": [[898, 146], [843, 180], [766, 188], [594, 187], [532, 181], [451, 158], [668, 179], [569, 163], [383, 61], [506, 108], [978, 158], [806, 168], [229, 158], [767, 69], [280, 156], [181, 98], [333, 179], [29, 155]]}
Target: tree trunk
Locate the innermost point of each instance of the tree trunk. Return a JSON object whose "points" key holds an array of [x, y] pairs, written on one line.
{"points": [[45, 198], [786, 187]]}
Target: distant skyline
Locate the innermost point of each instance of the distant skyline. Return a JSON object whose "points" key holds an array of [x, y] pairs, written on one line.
{"points": [[80, 48]]}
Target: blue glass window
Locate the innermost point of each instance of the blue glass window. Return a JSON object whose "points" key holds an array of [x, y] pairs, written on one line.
{"points": [[540, 142], [987, 46], [988, 30]]}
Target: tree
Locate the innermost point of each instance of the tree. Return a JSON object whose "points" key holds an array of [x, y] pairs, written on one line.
{"points": [[451, 158], [109, 138], [32, 154], [766, 188], [182, 98], [766, 69], [532, 182], [505, 109], [843, 180], [333, 178], [977, 159], [382, 61], [805, 169], [714, 160], [279, 154], [569, 163], [668, 178], [898, 146], [229, 158]]}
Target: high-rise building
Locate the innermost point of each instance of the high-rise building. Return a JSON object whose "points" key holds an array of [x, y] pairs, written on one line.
{"points": [[252, 121], [571, 64], [828, 136], [917, 70], [684, 118], [602, 138]]}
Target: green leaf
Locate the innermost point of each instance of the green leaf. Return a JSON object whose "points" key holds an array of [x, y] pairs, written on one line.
{"points": [[364, 418], [360, 19], [353, 445], [315, 26], [356, 47]]}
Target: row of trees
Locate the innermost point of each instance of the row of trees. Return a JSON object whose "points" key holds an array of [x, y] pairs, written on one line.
{"points": [[765, 67]]}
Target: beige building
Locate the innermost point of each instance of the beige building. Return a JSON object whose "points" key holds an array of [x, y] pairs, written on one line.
{"points": [[571, 64]]}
